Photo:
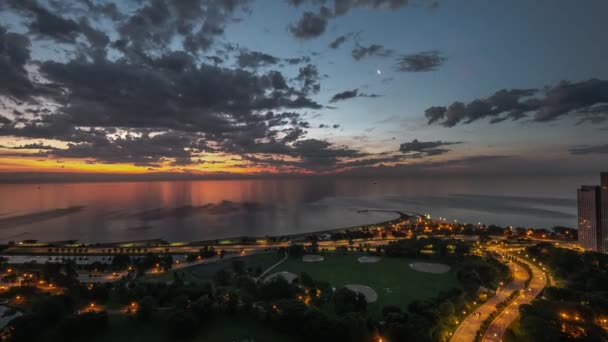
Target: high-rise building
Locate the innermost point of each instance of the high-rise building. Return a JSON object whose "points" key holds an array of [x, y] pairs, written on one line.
{"points": [[593, 216], [588, 198], [603, 244]]}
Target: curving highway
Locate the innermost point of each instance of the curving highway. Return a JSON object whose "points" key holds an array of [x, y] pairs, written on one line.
{"points": [[499, 326], [467, 330]]}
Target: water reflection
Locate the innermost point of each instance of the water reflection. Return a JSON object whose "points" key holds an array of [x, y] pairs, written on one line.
{"points": [[215, 209]]}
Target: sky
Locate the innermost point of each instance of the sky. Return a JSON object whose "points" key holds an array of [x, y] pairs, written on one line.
{"points": [[231, 88]]}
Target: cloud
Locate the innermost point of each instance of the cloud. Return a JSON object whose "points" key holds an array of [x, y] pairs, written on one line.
{"points": [[34, 146], [255, 59], [146, 150], [311, 154], [420, 62], [167, 109], [309, 78], [297, 60], [585, 150], [312, 25], [585, 101], [466, 165], [141, 26], [425, 148], [336, 43], [361, 52], [349, 94], [309, 26], [14, 54], [46, 23]]}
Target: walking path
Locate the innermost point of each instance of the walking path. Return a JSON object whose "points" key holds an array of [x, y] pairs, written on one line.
{"points": [[271, 268]]}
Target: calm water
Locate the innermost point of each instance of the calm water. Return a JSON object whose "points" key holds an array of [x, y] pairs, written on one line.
{"points": [[185, 211]]}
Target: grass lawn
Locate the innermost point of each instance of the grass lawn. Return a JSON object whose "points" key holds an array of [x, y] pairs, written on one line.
{"points": [[392, 278], [124, 329], [205, 272]]}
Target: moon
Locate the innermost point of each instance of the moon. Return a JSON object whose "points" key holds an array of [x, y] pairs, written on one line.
{"points": [[379, 72]]}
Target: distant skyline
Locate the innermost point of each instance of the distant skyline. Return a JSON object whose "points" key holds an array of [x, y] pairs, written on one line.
{"points": [[227, 88]]}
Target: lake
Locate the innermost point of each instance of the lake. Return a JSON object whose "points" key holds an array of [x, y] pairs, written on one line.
{"points": [[211, 209]]}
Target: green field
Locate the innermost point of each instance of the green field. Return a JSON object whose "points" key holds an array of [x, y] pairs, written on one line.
{"points": [[205, 272], [392, 278], [221, 329]]}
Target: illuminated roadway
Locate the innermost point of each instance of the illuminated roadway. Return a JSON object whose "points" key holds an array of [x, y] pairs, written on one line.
{"points": [[467, 330], [499, 326]]}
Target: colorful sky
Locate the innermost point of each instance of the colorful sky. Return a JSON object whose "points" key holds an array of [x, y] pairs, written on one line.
{"points": [[265, 87]]}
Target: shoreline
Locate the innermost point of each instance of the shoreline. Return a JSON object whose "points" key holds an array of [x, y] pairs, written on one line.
{"points": [[243, 241]]}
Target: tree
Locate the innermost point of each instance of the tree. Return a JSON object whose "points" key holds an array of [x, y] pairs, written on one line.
{"points": [[121, 262], [306, 280], [81, 327], [314, 247], [390, 309], [166, 262], [147, 308], [182, 324], [355, 326], [204, 307], [222, 277], [238, 266], [295, 251], [277, 288], [181, 302], [346, 300]]}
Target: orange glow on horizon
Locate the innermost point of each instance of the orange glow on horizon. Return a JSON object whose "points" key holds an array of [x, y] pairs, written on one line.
{"points": [[51, 165]]}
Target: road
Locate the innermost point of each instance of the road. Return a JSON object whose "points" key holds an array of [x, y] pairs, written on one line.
{"points": [[109, 277], [499, 326], [467, 330], [189, 249]]}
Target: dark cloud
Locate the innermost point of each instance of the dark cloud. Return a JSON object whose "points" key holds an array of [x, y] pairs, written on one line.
{"points": [[14, 54], [420, 62], [45, 22], [312, 25], [145, 150], [319, 154], [365, 162], [336, 43], [149, 83], [334, 126], [311, 154], [425, 148], [309, 78], [361, 52], [309, 26], [170, 108], [34, 146], [585, 101], [349, 94], [585, 150], [215, 59], [298, 60], [254, 59], [142, 26], [467, 165]]}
